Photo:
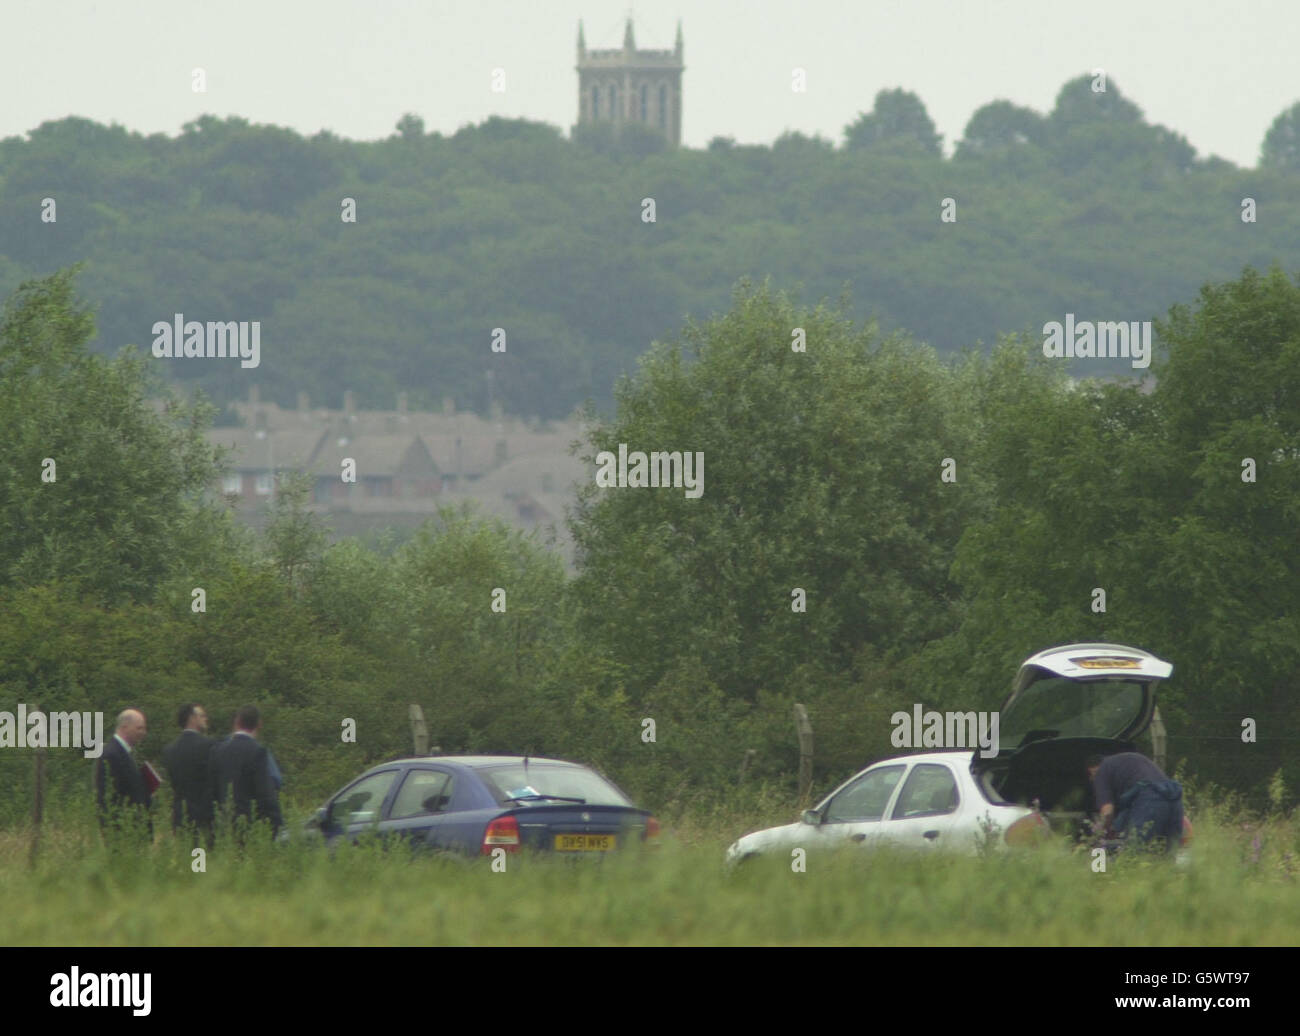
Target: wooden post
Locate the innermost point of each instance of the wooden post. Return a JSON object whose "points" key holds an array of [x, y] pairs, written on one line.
{"points": [[1158, 738], [804, 729], [38, 798], [419, 730], [744, 763]]}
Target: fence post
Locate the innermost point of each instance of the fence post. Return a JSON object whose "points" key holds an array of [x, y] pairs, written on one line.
{"points": [[38, 798], [1158, 738], [419, 730], [804, 729], [744, 763]]}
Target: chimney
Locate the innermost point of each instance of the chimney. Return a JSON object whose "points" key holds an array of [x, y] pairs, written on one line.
{"points": [[401, 403], [304, 403], [349, 404], [496, 411], [254, 397], [448, 406]]}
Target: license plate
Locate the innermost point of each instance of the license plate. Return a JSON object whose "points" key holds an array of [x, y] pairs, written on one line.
{"points": [[584, 843]]}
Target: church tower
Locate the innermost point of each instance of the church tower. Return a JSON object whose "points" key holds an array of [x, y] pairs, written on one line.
{"points": [[627, 85]]}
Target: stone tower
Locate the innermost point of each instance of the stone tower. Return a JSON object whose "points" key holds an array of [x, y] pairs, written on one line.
{"points": [[629, 85]]}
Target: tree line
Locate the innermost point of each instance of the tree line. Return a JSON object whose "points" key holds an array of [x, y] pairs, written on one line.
{"points": [[880, 526], [510, 224]]}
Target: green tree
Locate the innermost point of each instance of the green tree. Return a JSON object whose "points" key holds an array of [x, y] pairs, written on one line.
{"points": [[347, 305], [65, 650], [295, 535], [1150, 498], [1000, 125], [96, 487], [410, 127], [898, 115], [1281, 147], [477, 608], [1058, 462], [1083, 100], [1224, 559], [822, 473], [637, 140], [622, 141]]}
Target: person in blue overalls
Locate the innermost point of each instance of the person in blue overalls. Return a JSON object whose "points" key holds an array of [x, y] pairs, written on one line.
{"points": [[1137, 800]]}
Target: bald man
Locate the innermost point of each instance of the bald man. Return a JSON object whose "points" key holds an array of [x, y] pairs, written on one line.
{"points": [[118, 784]]}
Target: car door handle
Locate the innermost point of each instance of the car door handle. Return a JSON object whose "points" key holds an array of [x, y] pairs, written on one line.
{"points": [[857, 838], [932, 835]]}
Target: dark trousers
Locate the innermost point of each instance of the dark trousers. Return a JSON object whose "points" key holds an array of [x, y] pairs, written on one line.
{"points": [[1151, 811]]}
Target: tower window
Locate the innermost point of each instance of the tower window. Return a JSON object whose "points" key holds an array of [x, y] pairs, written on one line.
{"points": [[645, 103], [663, 106], [595, 102]]}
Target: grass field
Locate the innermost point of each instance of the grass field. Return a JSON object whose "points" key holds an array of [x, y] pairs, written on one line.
{"points": [[1240, 889]]}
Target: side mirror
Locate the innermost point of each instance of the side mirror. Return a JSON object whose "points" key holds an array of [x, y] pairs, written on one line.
{"points": [[318, 818], [811, 816]]}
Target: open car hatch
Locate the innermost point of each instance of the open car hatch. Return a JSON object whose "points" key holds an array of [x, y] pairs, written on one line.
{"points": [[1082, 691], [1067, 703]]}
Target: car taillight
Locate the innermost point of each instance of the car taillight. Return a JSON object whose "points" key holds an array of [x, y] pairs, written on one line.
{"points": [[652, 830], [1186, 838], [501, 833], [1028, 830]]}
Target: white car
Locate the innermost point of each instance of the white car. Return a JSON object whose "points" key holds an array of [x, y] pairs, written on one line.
{"points": [[1066, 704], [929, 799]]}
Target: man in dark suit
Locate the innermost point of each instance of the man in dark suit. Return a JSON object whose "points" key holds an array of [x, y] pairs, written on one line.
{"points": [[241, 774], [187, 760], [120, 791]]}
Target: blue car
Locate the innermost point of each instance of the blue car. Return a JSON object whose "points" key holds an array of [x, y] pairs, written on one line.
{"points": [[473, 804]]}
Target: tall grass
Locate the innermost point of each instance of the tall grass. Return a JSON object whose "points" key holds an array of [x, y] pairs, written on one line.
{"points": [[1240, 889]]}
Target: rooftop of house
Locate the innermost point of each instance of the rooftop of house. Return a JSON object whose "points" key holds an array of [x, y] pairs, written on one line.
{"points": [[256, 449], [386, 442]]}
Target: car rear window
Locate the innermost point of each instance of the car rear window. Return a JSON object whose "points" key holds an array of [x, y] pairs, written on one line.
{"points": [[567, 782], [1058, 706]]}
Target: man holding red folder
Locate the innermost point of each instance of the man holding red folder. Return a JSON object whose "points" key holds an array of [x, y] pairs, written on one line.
{"points": [[121, 785]]}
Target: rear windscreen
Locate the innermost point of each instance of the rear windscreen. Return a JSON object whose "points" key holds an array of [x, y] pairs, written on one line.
{"points": [[1057, 706], [533, 784]]}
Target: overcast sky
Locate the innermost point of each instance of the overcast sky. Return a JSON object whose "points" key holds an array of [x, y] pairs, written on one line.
{"points": [[1217, 71]]}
